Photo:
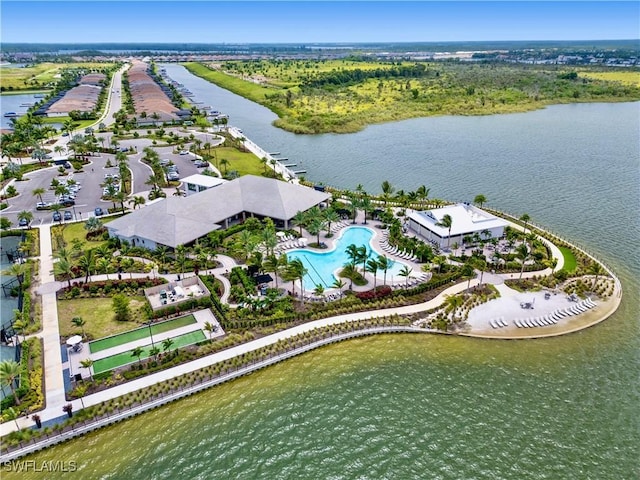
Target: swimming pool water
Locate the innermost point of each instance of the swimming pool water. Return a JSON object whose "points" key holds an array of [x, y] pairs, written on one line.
{"points": [[321, 266]]}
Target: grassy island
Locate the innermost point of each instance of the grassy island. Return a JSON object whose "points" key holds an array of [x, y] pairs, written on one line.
{"points": [[344, 96]]}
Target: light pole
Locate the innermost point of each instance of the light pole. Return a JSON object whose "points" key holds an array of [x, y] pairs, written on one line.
{"points": [[151, 333], [74, 213]]}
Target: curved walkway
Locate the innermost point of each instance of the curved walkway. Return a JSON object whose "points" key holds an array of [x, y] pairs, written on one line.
{"points": [[55, 394]]}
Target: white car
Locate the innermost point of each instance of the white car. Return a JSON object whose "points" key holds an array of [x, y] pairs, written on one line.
{"points": [[184, 152]]}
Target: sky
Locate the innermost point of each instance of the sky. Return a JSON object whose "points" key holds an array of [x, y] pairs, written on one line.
{"points": [[25, 21]]}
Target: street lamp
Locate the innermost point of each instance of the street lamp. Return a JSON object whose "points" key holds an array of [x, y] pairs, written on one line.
{"points": [[150, 333]]}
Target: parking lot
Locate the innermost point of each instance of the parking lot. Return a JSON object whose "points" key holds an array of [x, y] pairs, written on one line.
{"points": [[91, 181]]}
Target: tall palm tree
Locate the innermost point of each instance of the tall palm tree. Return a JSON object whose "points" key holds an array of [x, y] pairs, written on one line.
{"points": [[384, 264], [366, 206], [372, 268], [423, 193], [330, 216], [210, 327], [452, 303], [272, 264], [300, 220], [349, 271], [298, 271], [63, 268], [9, 372], [525, 218], [446, 222], [595, 269], [87, 264], [522, 253], [38, 193], [387, 191]]}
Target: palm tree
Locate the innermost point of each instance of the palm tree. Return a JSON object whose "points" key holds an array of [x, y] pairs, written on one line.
{"points": [[224, 163], [339, 284], [298, 271], [38, 193], [330, 216], [405, 272], [372, 268], [64, 269], [452, 303], [79, 322], [423, 193], [87, 264], [595, 269], [319, 290], [384, 264], [480, 200], [272, 264], [525, 218], [349, 271], [300, 220], [366, 205], [9, 372], [387, 191], [136, 201], [522, 253], [181, 257], [25, 215], [87, 363], [137, 352], [210, 327], [166, 344], [446, 222]]}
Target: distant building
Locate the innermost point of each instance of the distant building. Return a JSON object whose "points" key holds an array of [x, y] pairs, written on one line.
{"points": [[199, 183], [467, 220]]}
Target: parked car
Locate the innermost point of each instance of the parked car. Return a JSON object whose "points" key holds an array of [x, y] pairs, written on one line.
{"points": [[43, 205], [98, 211], [201, 163], [23, 222], [173, 176], [184, 152], [68, 215], [57, 216], [67, 202]]}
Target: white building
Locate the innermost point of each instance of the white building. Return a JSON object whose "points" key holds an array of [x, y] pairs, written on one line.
{"points": [[199, 183], [467, 220]]}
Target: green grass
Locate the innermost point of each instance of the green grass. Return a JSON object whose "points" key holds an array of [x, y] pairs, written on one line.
{"points": [[99, 315], [124, 358], [570, 262], [140, 333], [244, 163], [76, 231], [37, 76]]}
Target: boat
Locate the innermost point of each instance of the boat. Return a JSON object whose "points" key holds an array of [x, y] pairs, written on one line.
{"points": [[27, 104], [11, 114]]}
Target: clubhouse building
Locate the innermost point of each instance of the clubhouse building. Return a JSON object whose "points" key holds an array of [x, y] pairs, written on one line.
{"points": [[177, 221], [467, 220]]}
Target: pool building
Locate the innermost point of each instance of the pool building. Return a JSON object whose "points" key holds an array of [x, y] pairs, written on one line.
{"points": [[467, 220]]}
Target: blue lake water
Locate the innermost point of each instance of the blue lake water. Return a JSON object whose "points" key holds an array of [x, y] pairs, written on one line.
{"points": [[322, 267]]}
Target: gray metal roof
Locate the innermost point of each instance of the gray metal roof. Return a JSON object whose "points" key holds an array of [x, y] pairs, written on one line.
{"points": [[179, 220]]}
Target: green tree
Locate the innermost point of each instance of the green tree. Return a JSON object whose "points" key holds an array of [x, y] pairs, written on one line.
{"points": [[121, 308], [80, 323], [387, 191], [339, 284], [211, 328], [167, 344], [87, 264], [87, 363], [525, 218], [9, 372], [38, 192], [446, 222], [522, 253], [25, 215], [372, 268], [480, 200], [405, 272], [137, 352], [384, 264]]}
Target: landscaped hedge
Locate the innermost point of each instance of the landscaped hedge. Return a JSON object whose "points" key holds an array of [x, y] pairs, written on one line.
{"points": [[109, 287], [30, 390]]}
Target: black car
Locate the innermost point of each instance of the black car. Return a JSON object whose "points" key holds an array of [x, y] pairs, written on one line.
{"points": [[68, 215], [98, 211], [67, 202], [57, 216]]}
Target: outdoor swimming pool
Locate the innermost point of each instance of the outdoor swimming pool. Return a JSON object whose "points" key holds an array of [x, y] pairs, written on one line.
{"points": [[322, 265]]}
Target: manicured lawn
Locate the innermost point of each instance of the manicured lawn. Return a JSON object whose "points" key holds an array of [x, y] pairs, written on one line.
{"points": [[76, 231], [244, 163], [99, 315], [569, 259], [139, 333], [40, 74], [124, 358]]}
